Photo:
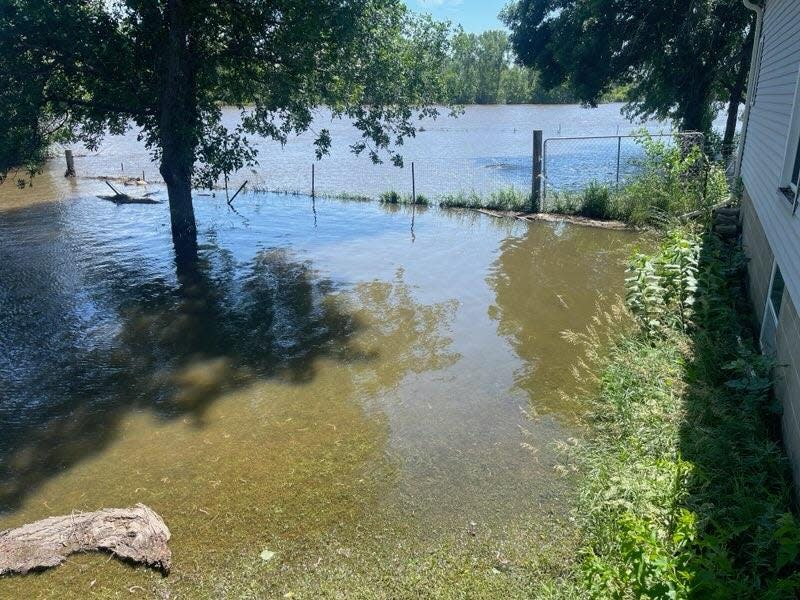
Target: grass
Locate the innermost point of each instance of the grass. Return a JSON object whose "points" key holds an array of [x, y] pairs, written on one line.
{"points": [[509, 199], [686, 491], [393, 197]]}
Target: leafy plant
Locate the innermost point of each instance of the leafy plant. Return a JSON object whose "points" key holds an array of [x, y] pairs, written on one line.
{"points": [[661, 289], [597, 202], [685, 494]]}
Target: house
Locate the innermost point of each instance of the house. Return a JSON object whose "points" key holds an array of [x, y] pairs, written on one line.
{"points": [[769, 165]]}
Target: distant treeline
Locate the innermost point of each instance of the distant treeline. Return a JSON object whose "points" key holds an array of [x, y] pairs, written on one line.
{"points": [[480, 70]]}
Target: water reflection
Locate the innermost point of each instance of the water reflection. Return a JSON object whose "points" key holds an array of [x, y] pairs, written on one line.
{"points": [[546, 282], [170, 349]]}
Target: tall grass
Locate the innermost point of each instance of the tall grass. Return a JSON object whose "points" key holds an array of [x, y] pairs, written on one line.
{"points": [[393, 197], [506, 199], [686, 491]]}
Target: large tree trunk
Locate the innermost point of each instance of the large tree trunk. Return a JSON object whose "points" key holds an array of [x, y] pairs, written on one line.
{"points": [[737, 95], [178, 124]]}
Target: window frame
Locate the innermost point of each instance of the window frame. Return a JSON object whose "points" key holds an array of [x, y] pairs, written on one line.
{"points": [[792, 151], [768, 347]]}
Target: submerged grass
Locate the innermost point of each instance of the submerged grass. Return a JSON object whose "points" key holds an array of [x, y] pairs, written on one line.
{"points": [[686, 489], [509, 198], [393, 197]]}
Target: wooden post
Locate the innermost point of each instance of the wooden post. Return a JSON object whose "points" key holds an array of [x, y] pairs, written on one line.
{"points": [[536, 174], [313, 182], [70, 172]]}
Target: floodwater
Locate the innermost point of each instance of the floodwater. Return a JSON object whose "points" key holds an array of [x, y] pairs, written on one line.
{"points": [[485, 149], [325, 385]]}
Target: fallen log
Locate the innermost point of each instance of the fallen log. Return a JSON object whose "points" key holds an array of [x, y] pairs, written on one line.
{"points": [[136, 534]]}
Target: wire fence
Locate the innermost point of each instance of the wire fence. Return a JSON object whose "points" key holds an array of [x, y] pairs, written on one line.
{"points": [[434, 179], [570, 164]]}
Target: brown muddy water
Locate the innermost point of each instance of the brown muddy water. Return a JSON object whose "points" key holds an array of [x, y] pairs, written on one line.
{"points": [[324, 385]]}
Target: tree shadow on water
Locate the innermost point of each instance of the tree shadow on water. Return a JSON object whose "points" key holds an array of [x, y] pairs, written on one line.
{"points": [[134, 342]]}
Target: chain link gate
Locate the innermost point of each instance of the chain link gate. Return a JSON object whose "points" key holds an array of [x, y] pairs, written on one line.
{"points": [[570, 164]]}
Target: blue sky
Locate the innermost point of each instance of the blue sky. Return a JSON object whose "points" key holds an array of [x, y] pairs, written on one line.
{"points": [[474, 15]]}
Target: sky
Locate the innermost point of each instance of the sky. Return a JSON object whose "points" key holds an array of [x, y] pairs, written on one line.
{"points": [[474, 15]]}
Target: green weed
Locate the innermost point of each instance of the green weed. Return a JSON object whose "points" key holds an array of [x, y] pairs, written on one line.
{"points": [[686, 490]]}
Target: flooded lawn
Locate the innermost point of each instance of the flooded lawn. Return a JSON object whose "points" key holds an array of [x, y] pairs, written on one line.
{"points": [[323, 386]]}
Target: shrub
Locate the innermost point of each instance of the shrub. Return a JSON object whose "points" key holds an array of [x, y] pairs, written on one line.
{"points": [[596, 202], [508, 198], [461, 200], [422, 200], [671, 179]]}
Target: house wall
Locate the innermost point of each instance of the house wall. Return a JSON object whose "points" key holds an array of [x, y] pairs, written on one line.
{"points": [[768, 135], [769, 230], [787, 371]]}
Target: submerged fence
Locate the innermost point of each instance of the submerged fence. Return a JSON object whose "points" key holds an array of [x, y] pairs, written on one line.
{"points": [[547, 167], [570, 164], [567, 164]]}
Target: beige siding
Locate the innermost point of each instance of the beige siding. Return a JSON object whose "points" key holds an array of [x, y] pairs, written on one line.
{"points": [[787, 381], [767, 136], [759, 256]]}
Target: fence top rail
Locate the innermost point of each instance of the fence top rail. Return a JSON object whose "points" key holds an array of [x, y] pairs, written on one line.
{"points": [[631, 135]]}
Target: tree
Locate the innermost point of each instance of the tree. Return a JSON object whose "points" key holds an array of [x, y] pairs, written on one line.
{"points": [[167, 66], [493, 58], [678, 58], [461, 68], [480, 69]]}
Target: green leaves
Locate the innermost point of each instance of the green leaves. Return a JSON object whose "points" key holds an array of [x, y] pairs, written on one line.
{"points": [[661, 290], [81, 69], [687, 493], [676, 60]]}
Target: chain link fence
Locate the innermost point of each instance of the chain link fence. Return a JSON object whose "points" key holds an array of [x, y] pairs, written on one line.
{"points": [[432, 179], [571, 164]]}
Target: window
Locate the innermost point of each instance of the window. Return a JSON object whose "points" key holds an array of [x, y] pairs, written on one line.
{"points": [[776, 291], [790, 181], [772, 310], [796, 170]]}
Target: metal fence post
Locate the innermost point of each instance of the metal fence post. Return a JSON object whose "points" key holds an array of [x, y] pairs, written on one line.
{"points": [[619, 152], [313, 194], [413, 186], [536, 172], [413, 199]]}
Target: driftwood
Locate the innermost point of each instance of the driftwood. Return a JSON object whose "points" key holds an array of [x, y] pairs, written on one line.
{"points": [[125, 199], [137, 534]]}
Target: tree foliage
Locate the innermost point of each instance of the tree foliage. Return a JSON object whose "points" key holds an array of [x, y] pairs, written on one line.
{"points": [[166, 67], [678, 58], [480, 69]]}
